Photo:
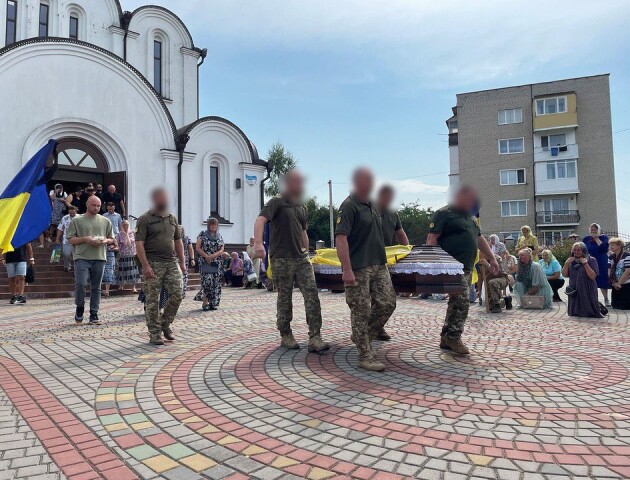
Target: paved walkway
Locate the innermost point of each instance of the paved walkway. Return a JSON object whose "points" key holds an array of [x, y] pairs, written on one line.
{"points": [[541, 397]]}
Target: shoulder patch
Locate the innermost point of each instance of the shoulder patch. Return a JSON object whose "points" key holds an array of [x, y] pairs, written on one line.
{"points": [[431, 225]]}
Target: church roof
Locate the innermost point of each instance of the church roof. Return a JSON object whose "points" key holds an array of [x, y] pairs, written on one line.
{"points": [[166, 10]]}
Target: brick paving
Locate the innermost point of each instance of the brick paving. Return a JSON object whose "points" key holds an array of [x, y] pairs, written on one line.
{"points": [[542, 396]]}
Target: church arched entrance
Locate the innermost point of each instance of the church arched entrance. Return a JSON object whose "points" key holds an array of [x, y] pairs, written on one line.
{"points": [[82, 163]]}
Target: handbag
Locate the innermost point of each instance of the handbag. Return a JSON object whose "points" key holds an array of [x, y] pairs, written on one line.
{"points": [[208, 268], [533, 302], [602, 309], [571, 291], [30, 275], [252, 277]]}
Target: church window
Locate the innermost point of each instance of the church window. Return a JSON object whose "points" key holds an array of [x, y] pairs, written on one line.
{"points": [[74, 28], [11, 22], [157, 66], [214, 190], [43, 20]]}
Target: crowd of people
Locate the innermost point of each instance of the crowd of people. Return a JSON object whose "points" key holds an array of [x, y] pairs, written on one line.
{"points": [[90, 229]]}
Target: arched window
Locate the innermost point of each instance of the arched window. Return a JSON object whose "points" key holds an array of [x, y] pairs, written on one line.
{"points": [[159, 63], [158, 49], [44, 14], [77, 23], [77, 154]]}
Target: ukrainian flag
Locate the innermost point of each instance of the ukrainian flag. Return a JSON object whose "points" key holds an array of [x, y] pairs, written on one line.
{"points": [[25, 208]]}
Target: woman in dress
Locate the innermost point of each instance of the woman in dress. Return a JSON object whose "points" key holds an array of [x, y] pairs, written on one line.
{"points": [[237, 270], [248, 270], [531, 280], [619, 274], [597, 245], [553, 271], [582, 270], [227, 270], [128, 273], [109, 275], [528, 240], [210, 247]]}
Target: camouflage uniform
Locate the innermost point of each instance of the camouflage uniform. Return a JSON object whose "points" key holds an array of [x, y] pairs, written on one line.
{"points": [[372, 300], [169, 276], [457, 311], [495, 290], [287, 272]]}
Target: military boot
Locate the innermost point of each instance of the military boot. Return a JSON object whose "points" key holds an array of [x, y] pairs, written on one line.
{"points": [[156, 339], [369, 362], [457, 346], [508, 303], [317, 345], [383, 336], [288, 341], [168, 334], [444, 343], [496, 308]]}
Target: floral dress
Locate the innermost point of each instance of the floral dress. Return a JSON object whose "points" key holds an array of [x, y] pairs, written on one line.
{"points": [[212, 273], [128, 273]]}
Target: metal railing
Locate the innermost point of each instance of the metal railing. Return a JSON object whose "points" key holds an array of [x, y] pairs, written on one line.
{"points": [[558, 217]]}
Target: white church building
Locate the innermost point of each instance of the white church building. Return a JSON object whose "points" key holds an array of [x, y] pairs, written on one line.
{"points": [[119, 91]]}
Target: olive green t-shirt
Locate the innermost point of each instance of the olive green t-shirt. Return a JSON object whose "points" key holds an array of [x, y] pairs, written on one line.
{"points": [[361, 223], [158, 234], [391, 224], [84, 226], [288, 222], [458, 232]]}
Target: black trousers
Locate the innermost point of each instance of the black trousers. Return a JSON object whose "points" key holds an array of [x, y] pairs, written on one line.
{"points": [[556, 285]]}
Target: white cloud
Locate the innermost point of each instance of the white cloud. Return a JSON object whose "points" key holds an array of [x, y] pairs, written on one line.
{"points": [[414, 190]]}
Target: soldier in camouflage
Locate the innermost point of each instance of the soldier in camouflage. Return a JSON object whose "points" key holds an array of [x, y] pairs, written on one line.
{"points": [[288, 253], [361, 250], [455, 230], [157, 236], [495, 284]]}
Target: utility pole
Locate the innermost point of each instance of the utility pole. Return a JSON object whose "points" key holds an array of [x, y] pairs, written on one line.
{"points": [[332, 215]]}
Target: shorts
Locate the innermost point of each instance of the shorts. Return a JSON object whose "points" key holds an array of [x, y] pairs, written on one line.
{"points": [[16, 269]]}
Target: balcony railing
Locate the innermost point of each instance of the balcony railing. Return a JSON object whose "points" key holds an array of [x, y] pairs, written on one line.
{"points": [[558, 152], [558, 217]]}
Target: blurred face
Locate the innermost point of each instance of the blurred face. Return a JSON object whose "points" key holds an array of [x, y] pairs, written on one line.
{"points": [[234, 255], [72, 213], [125, 226], [99, 188], [293, 185], [160, 200], [363, 183], [594, 230], [524, 232], [385, 198], [545, 256], [251, 241], [615, 248], [93, 205], [111, 189], [524, 258], [577, 252], [110, 209], [213, 227], [466, 199]]}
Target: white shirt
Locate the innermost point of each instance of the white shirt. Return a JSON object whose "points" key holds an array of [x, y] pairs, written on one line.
{"points": [[63, 226]]}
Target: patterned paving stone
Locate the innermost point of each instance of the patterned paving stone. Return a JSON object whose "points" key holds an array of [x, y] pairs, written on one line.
{"points": [[542, 396]]}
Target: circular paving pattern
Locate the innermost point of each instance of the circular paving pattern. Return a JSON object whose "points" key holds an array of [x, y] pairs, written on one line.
{"points": [[541, 396]]}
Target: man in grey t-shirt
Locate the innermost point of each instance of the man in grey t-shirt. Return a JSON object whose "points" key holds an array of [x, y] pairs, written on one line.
{"points": [[90, 234]]}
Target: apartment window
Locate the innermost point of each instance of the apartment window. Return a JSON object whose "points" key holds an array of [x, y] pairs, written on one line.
{"points": [[11, 29], [512, 235], [548, 106], [551, 237], [559, 140], [74, 28], [157, 66], [512, 145], [43, 20], [512, 177], [514, 208], [558, 205], [512, 115], [214, 190], [561, 169]]}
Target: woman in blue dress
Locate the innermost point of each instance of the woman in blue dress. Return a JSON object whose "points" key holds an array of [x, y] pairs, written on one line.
{"points": [[597, 245]]}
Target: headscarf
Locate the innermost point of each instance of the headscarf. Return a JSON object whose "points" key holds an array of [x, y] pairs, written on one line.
{"points": [[524, 274], [125, 234], [246, 258], [598, 226], [497, 247], [212, 235]]}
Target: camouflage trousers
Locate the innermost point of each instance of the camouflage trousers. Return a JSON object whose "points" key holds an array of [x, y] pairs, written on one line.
{"points": [[495, 290], [457, 311], [372, 300], [168, 276], [286, 273]]}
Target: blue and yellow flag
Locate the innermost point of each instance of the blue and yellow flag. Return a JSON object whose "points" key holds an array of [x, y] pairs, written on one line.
{"points": [[25, 208]]}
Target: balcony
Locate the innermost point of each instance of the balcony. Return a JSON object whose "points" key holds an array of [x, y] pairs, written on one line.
{"points": [[560, 152], [559, 217]]}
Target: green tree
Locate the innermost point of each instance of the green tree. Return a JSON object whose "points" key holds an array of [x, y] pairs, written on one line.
{"points": [[318, 222], [282, 161], [415, 220]]}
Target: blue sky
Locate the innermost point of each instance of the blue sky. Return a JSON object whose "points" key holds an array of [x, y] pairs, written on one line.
{"points": [[372, 82]]}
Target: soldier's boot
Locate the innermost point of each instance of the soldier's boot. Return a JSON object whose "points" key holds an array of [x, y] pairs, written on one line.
{"points": [[317, 345], [383, 336], [444, 343], [508, 303], [168, 334], [156, 339], [288, 341], [367, 361], [496, 308], [457, 346]]}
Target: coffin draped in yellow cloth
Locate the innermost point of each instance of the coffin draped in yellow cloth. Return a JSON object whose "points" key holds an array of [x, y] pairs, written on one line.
{"points": [[328, 256]]}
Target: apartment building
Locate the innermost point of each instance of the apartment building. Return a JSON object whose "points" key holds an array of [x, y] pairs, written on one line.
{"points": [[540, 155]]}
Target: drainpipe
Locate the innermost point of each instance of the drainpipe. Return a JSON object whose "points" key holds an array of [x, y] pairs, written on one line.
{"points": [[125, 20], [203, 53], [180, 145], [262, 183]]}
